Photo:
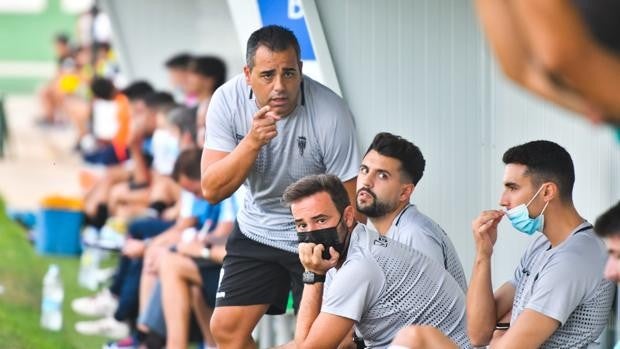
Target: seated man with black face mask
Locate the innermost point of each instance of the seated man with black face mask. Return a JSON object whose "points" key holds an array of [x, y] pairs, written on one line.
{"points": [[375, 284]]}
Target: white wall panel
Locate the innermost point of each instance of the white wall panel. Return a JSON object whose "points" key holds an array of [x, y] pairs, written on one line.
{"points": [[421, 69], [147, 32]]}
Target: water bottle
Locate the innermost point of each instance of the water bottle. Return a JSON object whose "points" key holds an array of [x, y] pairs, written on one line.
{"points": [[88, 275], [51, 304]]}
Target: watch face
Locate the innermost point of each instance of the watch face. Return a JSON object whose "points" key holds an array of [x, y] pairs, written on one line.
{"points": [[308, 277]]}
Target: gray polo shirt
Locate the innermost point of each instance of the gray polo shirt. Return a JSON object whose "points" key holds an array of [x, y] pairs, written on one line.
{"points": [[385, 285], [317, 137], [566, 283], [413, 228]]}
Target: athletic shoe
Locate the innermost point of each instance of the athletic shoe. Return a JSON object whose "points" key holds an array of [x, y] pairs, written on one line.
{"points": [[110, 238], [101, 304], [126, 343], [107, 327]]}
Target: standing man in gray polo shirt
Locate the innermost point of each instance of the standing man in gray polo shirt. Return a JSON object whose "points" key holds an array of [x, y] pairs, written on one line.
{"points": [[388, 175], [266, 129]]}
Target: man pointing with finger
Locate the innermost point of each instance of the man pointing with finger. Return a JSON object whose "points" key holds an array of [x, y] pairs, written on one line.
{"points": [[267, 128]]}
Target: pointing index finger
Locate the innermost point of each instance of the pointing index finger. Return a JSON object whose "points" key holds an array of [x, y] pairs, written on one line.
{"points": [[261, 113]]}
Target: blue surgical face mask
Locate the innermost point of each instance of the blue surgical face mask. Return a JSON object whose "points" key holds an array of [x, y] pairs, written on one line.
{"points": [[520, 219], [166, 149]]}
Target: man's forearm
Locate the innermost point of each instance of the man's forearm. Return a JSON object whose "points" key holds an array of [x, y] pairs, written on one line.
{"points": [[511, 47], [223, 177], [481, 309], [141, 172], [505, 38], [597, 79], [561, 42], [309, 309]]}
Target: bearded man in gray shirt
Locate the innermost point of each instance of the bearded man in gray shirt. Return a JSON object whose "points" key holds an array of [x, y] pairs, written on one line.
{"points": [[388, 176], [376, 284]]}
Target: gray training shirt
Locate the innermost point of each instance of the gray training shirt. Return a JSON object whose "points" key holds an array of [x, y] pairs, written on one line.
{"points": [[413, 228], [317, 137], [385, 285], [566, 283]]}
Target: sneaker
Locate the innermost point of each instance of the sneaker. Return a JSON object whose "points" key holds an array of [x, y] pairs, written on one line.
{"points": [[101, 304], [110, 238], [107, 327], [125, 343], [90, 235]]}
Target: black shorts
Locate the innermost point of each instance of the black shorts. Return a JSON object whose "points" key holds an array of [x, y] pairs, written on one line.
{"points": [[210, 275], [254, 273]]}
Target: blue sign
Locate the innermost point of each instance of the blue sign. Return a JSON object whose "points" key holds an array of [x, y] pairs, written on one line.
{"points": [[289, 14]]}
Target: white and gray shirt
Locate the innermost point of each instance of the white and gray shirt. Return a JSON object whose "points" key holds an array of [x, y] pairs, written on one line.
{"points": [[384, 285], [317, 137], [566, 283], [413, 228]]}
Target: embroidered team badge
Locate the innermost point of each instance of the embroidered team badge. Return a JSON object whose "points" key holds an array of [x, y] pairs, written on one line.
{"points": [[301, 145], [381, 241]]}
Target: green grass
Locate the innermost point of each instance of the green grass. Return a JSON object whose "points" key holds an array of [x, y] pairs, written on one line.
{"points": [[21, 275]]}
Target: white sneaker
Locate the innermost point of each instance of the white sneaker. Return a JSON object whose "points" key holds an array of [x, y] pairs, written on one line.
{"points": [[101, 304], [110, 238], [90, 235], [107, 327]]}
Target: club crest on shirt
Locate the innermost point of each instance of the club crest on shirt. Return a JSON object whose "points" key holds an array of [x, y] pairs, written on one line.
{"points": [[301, 145], [238, 137], [381, 241]]}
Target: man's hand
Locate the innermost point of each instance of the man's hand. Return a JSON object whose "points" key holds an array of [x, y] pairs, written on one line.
{"points": [[484, 228], [263, 127], [153, 257], [137, 131], [311, 258], [191, 249], [134, 248]]}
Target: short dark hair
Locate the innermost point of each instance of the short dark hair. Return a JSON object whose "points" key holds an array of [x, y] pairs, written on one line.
{"points": [[608, 224], [157, 100], [178, 61], [184, 118], [546, 161], [61, 38], [275, 38], [187, 164], [102, 88], [137, 90], [210, 67], [314, 184], [412, 161]]}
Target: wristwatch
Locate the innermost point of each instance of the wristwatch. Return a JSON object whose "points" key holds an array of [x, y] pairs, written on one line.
{"points": [[310, 278]]}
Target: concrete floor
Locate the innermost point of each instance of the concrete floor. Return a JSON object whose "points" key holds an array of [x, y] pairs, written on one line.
{"points": [[39, 161]]}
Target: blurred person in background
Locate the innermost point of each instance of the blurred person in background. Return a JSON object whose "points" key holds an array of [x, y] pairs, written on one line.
{"points": [[177, 68]]}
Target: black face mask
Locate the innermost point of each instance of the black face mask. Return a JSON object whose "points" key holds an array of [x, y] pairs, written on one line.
{"points": [[327, 237]]}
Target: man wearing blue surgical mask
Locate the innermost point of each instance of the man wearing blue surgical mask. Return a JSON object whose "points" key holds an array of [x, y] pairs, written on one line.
{"points": [[558, 296]]}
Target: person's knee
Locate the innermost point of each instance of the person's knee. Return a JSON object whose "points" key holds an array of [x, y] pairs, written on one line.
{"points": [[169, 264], [223, 326], [412, 337]]}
